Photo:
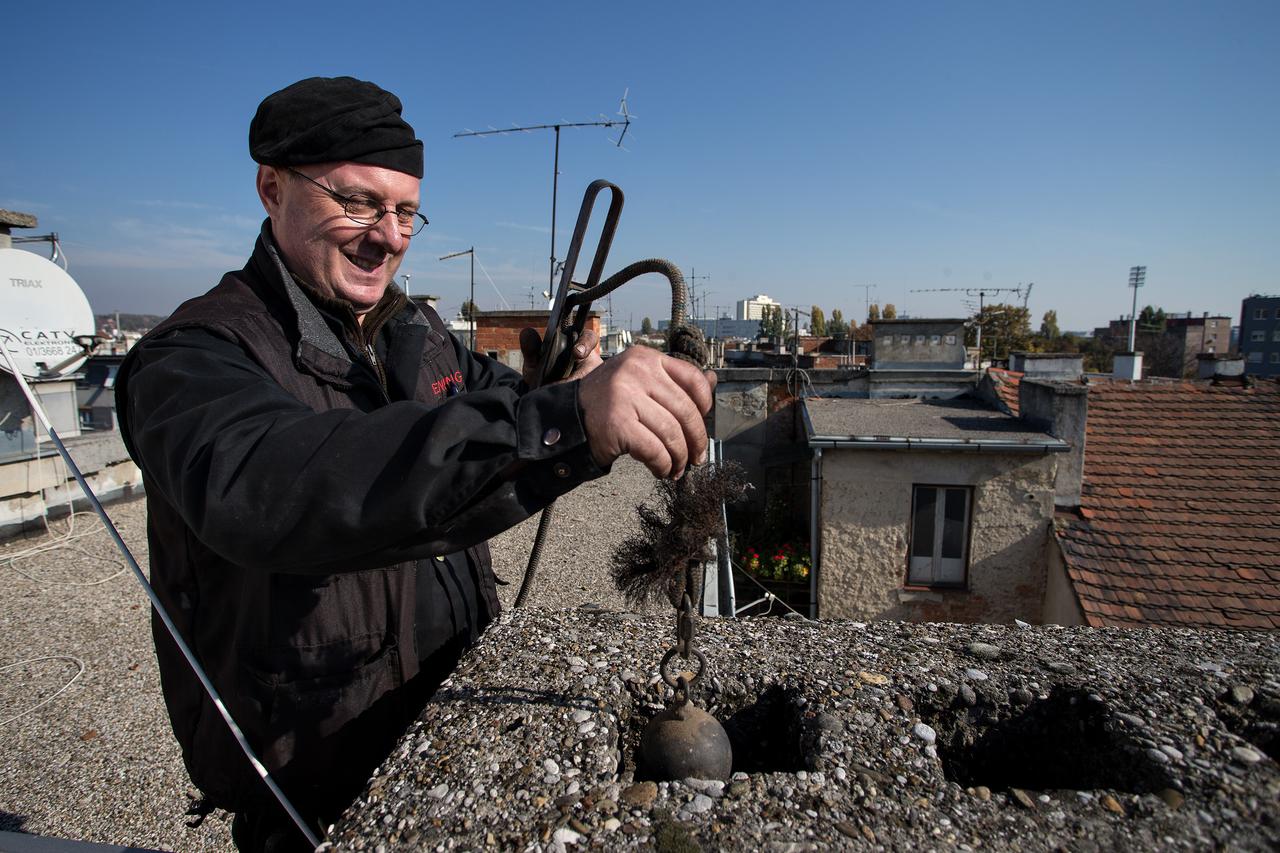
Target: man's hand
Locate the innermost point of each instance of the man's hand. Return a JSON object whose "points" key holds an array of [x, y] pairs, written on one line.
{"points": [[650, 406], [586, 354]]}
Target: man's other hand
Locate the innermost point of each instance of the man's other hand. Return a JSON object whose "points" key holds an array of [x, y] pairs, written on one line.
{"points": [[586, 354], [650, 406]]}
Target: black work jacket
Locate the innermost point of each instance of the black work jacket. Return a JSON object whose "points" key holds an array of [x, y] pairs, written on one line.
{"points": [[302, 499]]}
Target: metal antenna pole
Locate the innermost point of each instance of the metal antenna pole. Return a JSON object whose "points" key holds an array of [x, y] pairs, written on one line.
{"points": [[624, 123], [981, 296], [555, 187], [471, 310], [866, 295], [693, 300]]}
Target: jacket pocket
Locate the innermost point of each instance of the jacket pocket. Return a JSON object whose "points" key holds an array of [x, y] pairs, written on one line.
{"points": [[325, 733]]}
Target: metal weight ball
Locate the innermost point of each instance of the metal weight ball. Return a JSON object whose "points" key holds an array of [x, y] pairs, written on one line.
{"points": [[684, 742]]}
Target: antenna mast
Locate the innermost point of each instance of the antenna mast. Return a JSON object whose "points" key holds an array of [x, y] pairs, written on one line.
{"points": [[693, 289], [866, 295], [624, 123]]}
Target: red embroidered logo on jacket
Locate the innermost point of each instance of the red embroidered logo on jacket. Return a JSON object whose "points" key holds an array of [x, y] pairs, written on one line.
{"points": [[451, 384]]}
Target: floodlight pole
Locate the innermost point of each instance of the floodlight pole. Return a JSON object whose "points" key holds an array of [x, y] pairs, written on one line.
{"points": [[471, 312], [1137, 278]]}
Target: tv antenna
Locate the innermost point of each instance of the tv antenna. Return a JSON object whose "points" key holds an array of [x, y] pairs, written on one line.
{"points": [[866, 298], [692, 279], [604, 121], [981, 293]]}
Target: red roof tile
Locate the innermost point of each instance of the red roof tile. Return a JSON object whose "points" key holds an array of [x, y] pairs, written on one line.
{"points": [[1179, 522], [1005, 383]]}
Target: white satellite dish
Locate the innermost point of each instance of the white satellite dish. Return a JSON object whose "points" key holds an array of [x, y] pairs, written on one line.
{"points": [[42, 314]]}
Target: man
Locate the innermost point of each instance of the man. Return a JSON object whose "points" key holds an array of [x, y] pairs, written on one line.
{"points": [[318, 500]]}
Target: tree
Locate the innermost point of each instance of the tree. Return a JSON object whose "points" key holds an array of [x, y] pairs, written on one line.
{"points": [[817, 321], [1151, 319], [836, 327], [646, 326], [1005, 328], [773, 323], [1049, 326], [468, 308], [873, 313], [890, 311]]}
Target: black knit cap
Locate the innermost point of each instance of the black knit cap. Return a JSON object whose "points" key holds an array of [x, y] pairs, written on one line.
{"points": [[334, 119]]}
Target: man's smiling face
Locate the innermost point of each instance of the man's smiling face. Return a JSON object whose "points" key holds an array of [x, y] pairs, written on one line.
{"points": [[336, 256]]}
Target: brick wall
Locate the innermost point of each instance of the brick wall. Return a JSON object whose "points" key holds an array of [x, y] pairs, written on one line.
{"points": [[498, 332]]}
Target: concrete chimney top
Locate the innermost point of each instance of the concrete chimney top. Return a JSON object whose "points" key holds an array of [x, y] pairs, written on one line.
{"points": [[1128, 366], [13, 219], [847, 735], [1211, 366]]}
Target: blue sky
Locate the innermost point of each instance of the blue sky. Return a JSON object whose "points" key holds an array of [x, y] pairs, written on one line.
{"points": [[797, 150]]}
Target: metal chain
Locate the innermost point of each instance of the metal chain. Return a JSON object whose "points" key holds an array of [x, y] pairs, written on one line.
{"points": [[684, 649]]}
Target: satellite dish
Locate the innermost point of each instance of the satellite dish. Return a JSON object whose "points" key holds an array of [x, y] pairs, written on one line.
{"points": [[44, 316]]}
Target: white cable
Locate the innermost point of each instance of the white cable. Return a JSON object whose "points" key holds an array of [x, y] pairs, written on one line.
{"points": [[49, 699], [160, 610], [505, 303], [751, 578]]}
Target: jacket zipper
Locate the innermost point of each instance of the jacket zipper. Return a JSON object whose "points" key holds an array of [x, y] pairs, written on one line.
{"points": [[378, 370]]}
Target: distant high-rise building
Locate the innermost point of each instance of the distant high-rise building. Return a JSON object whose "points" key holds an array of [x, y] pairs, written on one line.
{"points": [[1260, 335], [753, 308]]}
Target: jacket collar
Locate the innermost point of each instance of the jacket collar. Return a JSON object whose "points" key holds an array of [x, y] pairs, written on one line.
{"points": [[318, 348]]}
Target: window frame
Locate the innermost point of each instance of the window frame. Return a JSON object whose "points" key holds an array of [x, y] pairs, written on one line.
{"points": [[939, 511]]}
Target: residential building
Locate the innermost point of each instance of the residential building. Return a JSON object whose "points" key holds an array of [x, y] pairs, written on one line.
{"points": [[1260, 335], [917, 344], [929, 510], [1178, 516], [1187, 337], [721, 328], [753, 308]]}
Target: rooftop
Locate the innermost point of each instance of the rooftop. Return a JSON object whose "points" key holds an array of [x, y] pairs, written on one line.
{"points": [[1179, 520], [957, 420]]}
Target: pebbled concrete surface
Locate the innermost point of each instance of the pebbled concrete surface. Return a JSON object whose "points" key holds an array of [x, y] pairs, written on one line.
{"points": [[848, 736], [99, 762]]}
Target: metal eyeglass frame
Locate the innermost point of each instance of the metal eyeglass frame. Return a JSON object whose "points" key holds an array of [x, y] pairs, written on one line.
{"points": [[348, 201]]}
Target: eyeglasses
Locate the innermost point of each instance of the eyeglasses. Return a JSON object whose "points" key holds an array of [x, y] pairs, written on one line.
{"points": [[366, 211]]}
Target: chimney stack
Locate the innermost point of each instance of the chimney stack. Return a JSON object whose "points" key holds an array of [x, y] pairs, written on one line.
{"points": [[1220, 368], [1061, 409], [1128, 366]]}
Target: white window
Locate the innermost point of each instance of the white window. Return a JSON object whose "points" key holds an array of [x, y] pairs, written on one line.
{"points": [[939, 535], [919, 339], [951, 339], [1255, 357], [1259, 313], [1257, 335], [934, 339]]}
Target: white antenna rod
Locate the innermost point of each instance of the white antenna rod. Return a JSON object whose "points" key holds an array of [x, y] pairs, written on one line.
{"points": [[155, 602]]}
